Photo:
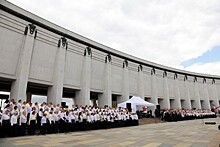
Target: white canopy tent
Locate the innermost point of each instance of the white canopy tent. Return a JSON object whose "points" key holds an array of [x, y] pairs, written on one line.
{"points": [[135, 101]]}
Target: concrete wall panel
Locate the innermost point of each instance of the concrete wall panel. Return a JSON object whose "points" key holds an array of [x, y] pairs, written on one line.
{"points": [[117, 79], [97, 75], [10, 46], [42, 61]]}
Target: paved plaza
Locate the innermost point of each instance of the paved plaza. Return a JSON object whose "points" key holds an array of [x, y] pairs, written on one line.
{"points": [[192, 133]]}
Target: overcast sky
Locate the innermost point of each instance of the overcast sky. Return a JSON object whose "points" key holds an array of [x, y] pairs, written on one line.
{"points": [[184, 34]]}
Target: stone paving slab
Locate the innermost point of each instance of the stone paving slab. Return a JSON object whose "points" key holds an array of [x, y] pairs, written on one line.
{"points": [[193, 133]]}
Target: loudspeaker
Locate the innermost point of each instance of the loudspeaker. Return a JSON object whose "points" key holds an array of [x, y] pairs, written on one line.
{"points": [[63, 104], [128, 106]]}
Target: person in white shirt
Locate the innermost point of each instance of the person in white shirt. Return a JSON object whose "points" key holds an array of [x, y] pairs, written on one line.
{"points": [[15, 110], [32, 123], [14, 124], [39, 116], [62, 121], [19, 105], [43, 124], [76, 121], [12, 104], [56, 119], [71, 121], [89, 121], [51, 123], [28, 109], [23, 123], [5, 121], [37, 107]]}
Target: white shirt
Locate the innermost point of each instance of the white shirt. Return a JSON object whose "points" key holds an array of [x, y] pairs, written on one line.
{"points": [[13, 111], [55, 117], [84, 115], [23, 119], [14, 119], [33, 117], [28, 107], [50, 118], [47, 114], [5, 117], [62, 115], [88, 119], [19, 106], [43, 120], [40, 114], [72, 116]]}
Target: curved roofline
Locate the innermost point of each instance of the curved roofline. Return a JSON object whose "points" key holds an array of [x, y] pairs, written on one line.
{"points": [[32, 18]]}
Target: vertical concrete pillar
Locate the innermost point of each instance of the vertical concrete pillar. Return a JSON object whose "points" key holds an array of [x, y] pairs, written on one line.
{"points": [[140, 82], [166, 99], [215, 94], [19, 86], [187, 102], [206, 104], [176, 102], [154, 95], [197, 95], [55, 93], [83, 96], [125, 86], [106, 97]]}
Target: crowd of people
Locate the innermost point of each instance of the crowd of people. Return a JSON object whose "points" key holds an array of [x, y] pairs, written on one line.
{"points": [[18, 119], [185, 114]]}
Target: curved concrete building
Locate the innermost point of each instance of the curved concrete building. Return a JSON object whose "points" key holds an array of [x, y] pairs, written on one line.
{"points": [[39, 57]]}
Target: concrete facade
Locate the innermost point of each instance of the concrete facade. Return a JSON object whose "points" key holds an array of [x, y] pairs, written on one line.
{"points": [[37, 54]]}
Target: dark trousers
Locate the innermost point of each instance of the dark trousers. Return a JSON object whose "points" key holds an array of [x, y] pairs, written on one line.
{"points": [[63, 126], [1, 131], [84, 125], [38, 121], [77, 126], [72, 126], [32, 127], [50, 127], [14, 130], [28, 117], [6, 128], [22, 129], [56, 127], [43, 129]]}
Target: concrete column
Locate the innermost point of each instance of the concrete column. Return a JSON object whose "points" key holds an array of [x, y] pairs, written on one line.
{"points": [[55, 93], [154, 95], [165, 104], [215, 94], [206, 104], [125, 86], [177, 103], [83, 96], [140, 82], [197, 95], [187, 102], [19, 86], [106, 97]]}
